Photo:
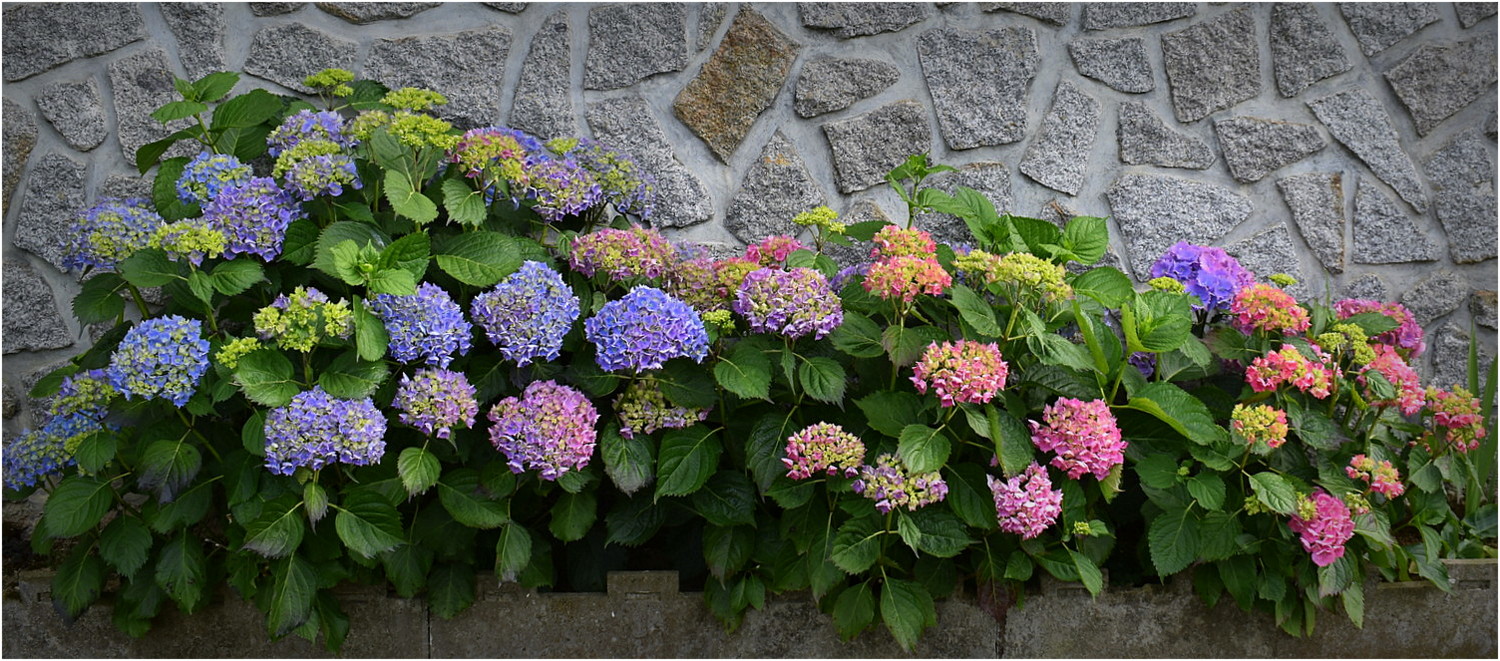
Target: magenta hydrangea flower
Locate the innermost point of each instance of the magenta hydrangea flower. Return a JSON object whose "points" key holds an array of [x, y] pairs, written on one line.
{"points": [[435, 400], [1026, 504], [1083, 434], [1268, 309], [1410, 396], [963, 371], [623, 254], [772, 251], [109, 232], [1289, 366], [426, 326], [1456, 412], [527, 314], [161, 357], [895, 241], [1382, 476], [643, 409], [1407, 335], [549, 429], [1206, 272], [253, 217], [793, 303], [892, 486], [316, 429], [644, 330], [905, 277], [1325, 524], [823, 448]]}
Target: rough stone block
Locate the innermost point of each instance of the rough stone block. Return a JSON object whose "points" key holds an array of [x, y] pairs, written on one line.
{"points": [[1118, 63], [41, 36], [10, 405], [1469, 221], [1369, 286], [1106, 15], [1470, 13], [1379, 25], [20, 137], [1212, 65], [54, 197], [543, 104], [288, 52], [1058, 158], [627, 124], [508, 7], [1303, 49], [360, 13], [1435, 82], [199, 28], [776, 189], [1461, 164], [274, 8], [1317, 203], [858, 19], [141, 83], [1254, 147], [1449, 348], [867, 146], [1436, 295], [1482, 308], [1361, 123], [737, 84], [1056, 13], [1145, 139], [991, 179], [710, 16], [1271, 252], [979, 83], [127, 185], [630, 42], [466, 67], [73, 108], [1155, 212], [31, 319], [830, 83], [1385, 235]]}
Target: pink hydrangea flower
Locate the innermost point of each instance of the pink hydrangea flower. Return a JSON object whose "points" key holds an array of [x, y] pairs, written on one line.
{"points": [[1383, 477], [1026, 504], [905, 277], [892, 485], [1457, 412], [1289, 366], [1084, 435], [893, 241], [549, 429], [1407, 336], [1259, 424], [963, 371], [823, 448], [1265, 308], [773, 250], [1389, 364], [1325, 525]]}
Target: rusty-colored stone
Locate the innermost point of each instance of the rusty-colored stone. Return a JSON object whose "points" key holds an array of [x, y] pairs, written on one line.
{"points": [[737, 83]]}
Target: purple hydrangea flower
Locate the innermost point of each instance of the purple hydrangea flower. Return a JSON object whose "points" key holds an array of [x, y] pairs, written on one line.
{"points": [[207, 174], [892, 485], [435, 400], [643, 409], [848, 273], [253, 216], [109, 232], [1206, 272], [502, 152], [528, 313], [316, 429], [644, 330], [637, 252], [549, 428], [84, 393], [322, 174], [425, 326], [625, 184], [309, 125], [559, 188], [161, 357], [33, 456], [793, 303]]}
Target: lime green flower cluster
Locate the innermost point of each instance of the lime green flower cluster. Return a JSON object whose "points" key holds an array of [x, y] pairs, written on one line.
{"points": [[333, 81], [1168, 285], [1282, 280], [230, 354], [190, 239], [298, 322], [413, 98], [302, 150], [1024, 271], [724, 319], [1350, 336], [823, 218], [412, 129]]}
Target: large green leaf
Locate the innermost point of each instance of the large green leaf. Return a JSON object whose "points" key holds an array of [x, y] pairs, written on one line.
{"points": [[969, 495], [857, 544], [933, 531], [1105, 284], [294, 586], [464, 204], [728, 499], [278, 530], [182, 571], [99, 299], [726, 550], [450, 589], [976, 311], [418, 469], [823, 379], [890, 411], [368, 524], [407, 200], [905, 345], [745, 370], [1012, 441], [169, 465], [1208, 489], [1087, 238], [479, 259], [410, 253], [854, 610], [76, 506], [1184, 413], [627, 461], [370, 336], [234, 277], [573, 515], [512, 551], [857, 336], [1088, 572], [406, 566], [766, 446], [687, 458], [922, 448], [265, 376], [1173, 539], [687, 384], [77, 583], [245, 110], [1275, 492], [149, 267], [460, 493], [907, 609], [362, 234], [348, 377], [125, 544]]}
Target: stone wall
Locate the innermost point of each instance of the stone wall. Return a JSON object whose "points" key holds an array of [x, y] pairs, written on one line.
{"points": [[1350, 145]]}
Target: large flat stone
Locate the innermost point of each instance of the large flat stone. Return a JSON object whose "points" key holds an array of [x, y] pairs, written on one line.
{"points": [[979, 83], [1303, 49], [141, 83], [41, 36], [467, 67], [20, 137], [10, 407], [1468, 218], [1119, 63], [1145, 139], [1470, 13], [73, 108], [1369, 287], [1463, 163], [1383, 234], [275, 8], [1106, 15], [1212, 65], [1058, 158], [1482, 308], [1317, 203], [1362, 124], [508, 7], [737, 84], [1056, 13], [1155, 212], [31, 319], [1379, 25], [710, 16], [1436, 295], [867, 146], [360, 13], [199, 28], [1435, 82], [775, 189], [627, 124], [127, 185], [1254, 147], [54, 197], [630, 42], [285, 53], [1268, 253], [834, 83], [1449, 348], [992, 179], [543, 104], [858, 19]]}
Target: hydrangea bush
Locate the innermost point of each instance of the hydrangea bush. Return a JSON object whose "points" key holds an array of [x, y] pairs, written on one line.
{"points": [[395, 353]]}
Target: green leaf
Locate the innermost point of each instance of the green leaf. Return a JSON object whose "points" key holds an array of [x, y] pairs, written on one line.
{"points": [[348, 377], [976, 311], [1354, 603], [1372, 323], [333, 236], [234, 277], [96, 450], [728, 499], [1208, 490], [889, 412], [187, 510], [907, 609], [175, 110], [1219, 534], [169, 465], [633, 521], [1275, 492], [315, 498], [1105, 284], [460, 494], [627, 461], [1173, 539], [1012, 440], [419, 470], [182, 571], [479, 259], [512, 551], [1088, 572], [410, 253], [292, 593], [857, 336], [265, 376], [857, 544], [164, 189], [77, 583], [125, 544], [745, 370], [923, 449], [395, 282], [349, 260], [450, 589], [149, 267], [406, 567], [1315, 428], [301, 243], [201, 285], [726, 550], [214, 86], [854, 610], [686, 460], [76, 506], [766, 446], [1240, 579], [573, 515], [905, 345], [278, 531], [933, 531], [823, 379], [1184, 413], [368, 524], [1055, 350], [248, 109], [1336, 578], [969, 495], [687, 384], [465, 205], [1158, 471], [1087, 238], [370, 336], [99, 299]]}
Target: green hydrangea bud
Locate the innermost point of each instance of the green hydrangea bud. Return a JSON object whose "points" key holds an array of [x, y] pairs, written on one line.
{"points": [[413, 98], [332, 80], [1167, 285], [1282, 280], [1081, 529], [230, 354]]}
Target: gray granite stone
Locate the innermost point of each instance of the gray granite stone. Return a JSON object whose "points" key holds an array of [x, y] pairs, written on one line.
{"points": [[1489, 127], [1058, 158], [1449, 348], [737, 83], [858, 19], [1271, 252], [1468, 218], [775, 189], [199, 28], [10, 405], [1254, 147], [127, 185], [1118, 63], [710, 16], [1461, 164], [1317, 203], [992, 179], [1383, 234], [1145, 139], [1303, 49], [627, 124], [1369, 286], [1436, 81], [466, 67], [1379, 25], [867, 146], [1056, 13], [1482, 308], [274, 8], [20, 132], [1106, 15], [979, 83], [508, 7], [54, 196], [360, 13], [630, 42], [74, 109], [1155, 212], [141, 83], [41, 36], [1470, 13], [833, 83], [544, 100], [1361, 123], [1212, 65], [31, 319], [285, 53]]}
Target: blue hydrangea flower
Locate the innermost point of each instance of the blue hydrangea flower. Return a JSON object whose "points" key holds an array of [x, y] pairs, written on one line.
{"points": [[207, 174], [528, 313], [793, 303], [31, 457], [560, 188], [309, 125], [315, 430], [435, 400], [625, 184], [1206, 272], [316, 167], [549, 429], [644, 330], [111, 231], [425, 326], [161, 357], [253, 217], [84, 393]]}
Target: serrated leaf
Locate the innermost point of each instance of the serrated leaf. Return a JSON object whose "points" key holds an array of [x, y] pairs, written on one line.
{"points": [[627, 461], [933, 531], [1335, 578], [99, 299], [406, 567], [728, 499], [410, 253], [976, 311], [686, 460], [1353, 599], [1012, 441], [368, 524], [450, 589], [857, 336], [465, 205], [969, 495], [573, 515], [245, 110], [336, 234], [1105, 284], [395, 282], [77, 583], [766, 446], [633, 521], [278, 531], [726, 550], [76, 506], [175, 110], [292, 593], [905, 345], [265, 376], [460, 495], [744, 370], [1087, 238], [687, 384], [907, 609], [889, 412], [169, 465], [1158, 471], [1207, 489], [922, 448], [149, 267], [854, 610], [1088, 572], [479, 259], [185, 511], [857, 545], [512, 551], [370, 336], [348, 377], [182, 571], [419, 470], [1275, 492], [1173, 539], [234, 277], [823, 379], [96, 450], [125, 544], [215, 86], [1184, 413]]}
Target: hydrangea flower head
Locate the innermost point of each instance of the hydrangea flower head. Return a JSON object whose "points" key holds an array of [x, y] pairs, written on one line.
{"points": [[821, 217], [1349, 336], [1023, 273], [496, 151], [413, 98], [895, 241], [419, 131], [162, 357], [306, 125], [559, 188], [1407, 335], [1382, 476], [1324, 528], [109, 232], [695, 282], [335, 81], [231, 352], [892, 485], [435, 400], [1084, 435], [643, 409], [1410, 396], [36, 454], [904, 277], [1259, 425], [1026, 504], [189, 239], [253, 217], [823, 448], [1267, 309], [527, 314], [316, 429], [624, 183], [1289, 366], [792, 303], [773, 250], [623, 254], [207, 174], [314, 168], [426, 326], [549, 429], [644, 330], [1457, 413], [85, 393], [304, 318], [963, 371], [1206, 272]]}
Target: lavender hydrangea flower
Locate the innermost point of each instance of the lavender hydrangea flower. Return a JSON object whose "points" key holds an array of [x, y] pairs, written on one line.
{"points": [[644, 330], [109, 232], [527, 314], [621, 255], [498, 152], [892, 485], [317, 167], [559, 188], [253, 216], [1206, 272], [309, 125], [621, 178], [33, 456], [85, 393], [643, 409], [161, 357], [793, 303], [316, 429], [435, 400], [207, 174], [549, 428], [425, 326]]}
